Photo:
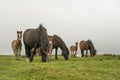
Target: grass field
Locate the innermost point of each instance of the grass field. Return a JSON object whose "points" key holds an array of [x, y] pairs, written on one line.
{"points": [[95, 68]]}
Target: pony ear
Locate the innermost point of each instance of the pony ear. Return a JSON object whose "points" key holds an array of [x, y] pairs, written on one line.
{"points": [[17, 31]]}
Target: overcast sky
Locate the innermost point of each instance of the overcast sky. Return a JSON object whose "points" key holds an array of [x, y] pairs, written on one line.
{"points": [[72, 20]]}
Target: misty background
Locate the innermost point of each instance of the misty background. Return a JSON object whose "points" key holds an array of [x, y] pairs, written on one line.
{"points": [[72, 20]]}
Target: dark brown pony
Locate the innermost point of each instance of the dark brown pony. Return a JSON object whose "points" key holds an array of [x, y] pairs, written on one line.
{"points": [[87, 45], [17, 45], [35, 38], [59, 43], [74, 49]]}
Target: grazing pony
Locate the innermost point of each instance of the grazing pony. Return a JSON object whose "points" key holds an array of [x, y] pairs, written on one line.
{"points": [[35, 38], [87, 45], [59, 43], [74, 49], [17, 45]]}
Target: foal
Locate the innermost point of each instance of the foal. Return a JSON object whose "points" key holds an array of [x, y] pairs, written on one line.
{"points": [[17, 45], [73, 49]]}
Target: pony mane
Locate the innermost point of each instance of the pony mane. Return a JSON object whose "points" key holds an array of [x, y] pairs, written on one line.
{"points": [[62, 45], [90, 44], [41, 27]]}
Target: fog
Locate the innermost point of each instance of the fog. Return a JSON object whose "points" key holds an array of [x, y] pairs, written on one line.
{"points": [[72, 20]]}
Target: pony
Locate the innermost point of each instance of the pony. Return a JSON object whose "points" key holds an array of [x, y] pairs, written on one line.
{"points": [[17, 45], [74, 49], [59, 43], [87, 45], [35, 38]]}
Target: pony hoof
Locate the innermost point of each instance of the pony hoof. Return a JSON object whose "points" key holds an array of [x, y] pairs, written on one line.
{"points": [[27, 60]]}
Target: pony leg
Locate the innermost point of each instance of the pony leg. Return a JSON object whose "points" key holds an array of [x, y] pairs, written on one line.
{"points": [[19, 53], [82, 52], [71, 54], [28, 55], [56, 54], [49, 54], [16, 54], [91, 54], [75, 53], [48, 57], [50, 51], [27, 52], [32, 55], [86, 53]]}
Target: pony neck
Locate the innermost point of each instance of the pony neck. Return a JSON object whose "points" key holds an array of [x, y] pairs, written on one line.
{"points": [[92, 46], [76, 44], [63, 47]]}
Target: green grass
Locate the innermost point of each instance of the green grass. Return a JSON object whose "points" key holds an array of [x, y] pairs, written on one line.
{"points": [[95, 68]]}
